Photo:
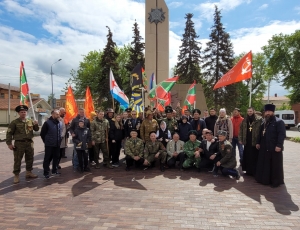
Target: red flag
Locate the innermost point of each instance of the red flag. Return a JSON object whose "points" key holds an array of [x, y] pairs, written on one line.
{"points": [[71, 107], [190, 98], [169, 98], [88, 104], [241, 71], [24, 89]]}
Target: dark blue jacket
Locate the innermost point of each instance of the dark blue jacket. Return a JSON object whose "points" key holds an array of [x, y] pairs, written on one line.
{"points": [[51, 133], [202, 124], [184, 129], [82, 135]]}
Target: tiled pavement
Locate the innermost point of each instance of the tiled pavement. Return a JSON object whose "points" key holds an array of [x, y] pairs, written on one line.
{"points": [[116, 199]]}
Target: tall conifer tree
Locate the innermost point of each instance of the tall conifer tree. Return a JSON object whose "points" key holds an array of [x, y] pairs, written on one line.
{"points": [[188, 65], [218, 59], [107, 62]]}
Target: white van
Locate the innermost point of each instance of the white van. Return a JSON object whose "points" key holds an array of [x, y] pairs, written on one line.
{"points": [[288, 117]]}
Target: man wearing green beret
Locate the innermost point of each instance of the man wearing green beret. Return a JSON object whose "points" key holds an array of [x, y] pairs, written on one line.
{"points": [[191, 150], [21, 130]]}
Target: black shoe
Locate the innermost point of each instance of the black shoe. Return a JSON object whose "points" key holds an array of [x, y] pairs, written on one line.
{"points": [[162, 168], [211, 170], [64, 157], [238, 176], [56, 173], [127, 169], [87, 169], [47, 176], [274, 186], [58, 167]]}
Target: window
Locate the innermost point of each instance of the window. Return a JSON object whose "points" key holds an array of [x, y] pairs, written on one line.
{"points": [[11, 96], [288, 117], [2, 95], [277, 115]]}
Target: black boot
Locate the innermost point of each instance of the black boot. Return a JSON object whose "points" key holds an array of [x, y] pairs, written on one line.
{"points": [[162, 167]]}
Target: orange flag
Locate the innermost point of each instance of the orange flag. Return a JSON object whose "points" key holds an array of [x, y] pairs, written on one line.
{"points": [[241, 71], [71, 107], [88, 104]]}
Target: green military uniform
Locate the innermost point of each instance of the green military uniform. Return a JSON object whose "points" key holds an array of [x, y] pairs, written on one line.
{"points": [[22, 132], [134, 147], [99, 131], [147, 127], [228, 160], [171, 124], [151, 148], [189, 149]]}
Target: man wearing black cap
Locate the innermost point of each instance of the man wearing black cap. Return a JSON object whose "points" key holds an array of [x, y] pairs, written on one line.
{"points": [[128, 110], [192, 150], [198, 124], [132, 123], [21, 130], [270, 144]]}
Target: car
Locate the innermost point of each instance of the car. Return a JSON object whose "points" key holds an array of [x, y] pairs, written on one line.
{"points": [[298, 127]]}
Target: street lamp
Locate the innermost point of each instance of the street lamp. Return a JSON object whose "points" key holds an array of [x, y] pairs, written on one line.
{"points": [[52, 101]]}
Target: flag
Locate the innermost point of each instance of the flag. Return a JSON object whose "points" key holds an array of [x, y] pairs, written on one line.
{"points": [[71, 107], [162, 89], [24, 89], [116, 92], [190, 98], [136, 101], [88, 104], [145, 80], [241, 71], [152, 85]]}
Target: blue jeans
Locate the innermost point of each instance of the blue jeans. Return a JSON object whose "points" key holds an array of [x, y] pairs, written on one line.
{"points": [[235, 142]]}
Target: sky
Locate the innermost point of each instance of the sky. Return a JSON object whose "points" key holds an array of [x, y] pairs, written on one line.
{"points": [[40, 32]]}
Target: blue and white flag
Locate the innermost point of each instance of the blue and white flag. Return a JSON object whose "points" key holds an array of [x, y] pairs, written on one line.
{"points": [[116, 92]]}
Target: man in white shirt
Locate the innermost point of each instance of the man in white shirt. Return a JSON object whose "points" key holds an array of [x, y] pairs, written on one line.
{"points": [[175, 151]]}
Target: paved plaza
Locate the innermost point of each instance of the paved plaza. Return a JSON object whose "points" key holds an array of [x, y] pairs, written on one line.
{"points": [[150, 199]]}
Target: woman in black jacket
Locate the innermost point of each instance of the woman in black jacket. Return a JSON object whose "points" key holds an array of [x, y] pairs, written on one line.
{"points": [[184, 128], [116, 134], [80, 139]]}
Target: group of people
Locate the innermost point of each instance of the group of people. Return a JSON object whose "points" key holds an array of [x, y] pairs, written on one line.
{"points": [[170, 139]]}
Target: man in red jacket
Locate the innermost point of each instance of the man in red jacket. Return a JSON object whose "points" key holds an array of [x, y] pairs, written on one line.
{"points": [[236, 122]]}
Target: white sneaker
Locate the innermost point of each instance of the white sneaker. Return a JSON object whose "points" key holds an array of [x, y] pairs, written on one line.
{"points": [[115, 165], [93, 163]]}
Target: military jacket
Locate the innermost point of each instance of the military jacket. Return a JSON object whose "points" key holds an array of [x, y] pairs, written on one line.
{"points": [[153, 148], [255, 126], [147, 127], [226, 151], [134, 147], [20, 130], [171, 124], [190, 147], [99, 130]]}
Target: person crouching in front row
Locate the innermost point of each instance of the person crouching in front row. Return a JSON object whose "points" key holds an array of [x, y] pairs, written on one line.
{"points": [[227, 163], [154, 150], [82, 136], [134, 150], [175, 151]]}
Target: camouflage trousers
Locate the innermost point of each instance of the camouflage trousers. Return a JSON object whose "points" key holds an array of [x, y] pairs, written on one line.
{"points": [[162, 157], [20, 149], [104, 150], [190, 161]]}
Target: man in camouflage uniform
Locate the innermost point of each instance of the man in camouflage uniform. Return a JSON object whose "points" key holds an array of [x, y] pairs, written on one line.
{"points": [[227, 162], [21, 130], [134, 149], [192, 151], [99, 130], [154, 149], [171, 122], [148, 125]]}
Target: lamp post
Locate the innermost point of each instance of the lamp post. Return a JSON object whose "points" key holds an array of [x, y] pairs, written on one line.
{"points": [[52, 101]]}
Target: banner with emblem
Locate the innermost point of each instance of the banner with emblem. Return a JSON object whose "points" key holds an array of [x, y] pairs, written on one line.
{"points": [[71, 106], [241, 71], [137, 83]]}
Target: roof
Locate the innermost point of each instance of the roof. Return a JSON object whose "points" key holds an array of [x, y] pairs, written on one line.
{"points": [[14, 103], [281, 98], [13, 88]]}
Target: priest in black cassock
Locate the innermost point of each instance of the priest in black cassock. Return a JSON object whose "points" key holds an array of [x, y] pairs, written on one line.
{"points": [[270, 144], [248, 133]]}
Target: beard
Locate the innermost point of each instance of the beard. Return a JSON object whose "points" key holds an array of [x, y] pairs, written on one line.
{"points": [[268, 118]]}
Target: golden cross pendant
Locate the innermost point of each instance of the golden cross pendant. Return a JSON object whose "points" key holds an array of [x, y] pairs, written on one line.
{"points": [[250, 128]]}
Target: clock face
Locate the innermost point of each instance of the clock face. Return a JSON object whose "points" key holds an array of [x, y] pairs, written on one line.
{"points": [[156, 15]]}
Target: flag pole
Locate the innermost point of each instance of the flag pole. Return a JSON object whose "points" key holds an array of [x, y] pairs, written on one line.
{"points": [[143, 98], [31, 105], [251, 81], [113, 103]]}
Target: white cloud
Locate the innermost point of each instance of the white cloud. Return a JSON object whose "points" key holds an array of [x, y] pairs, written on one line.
{"points": [[207, 9], [262, 7], [16, 8], [175, 4]]}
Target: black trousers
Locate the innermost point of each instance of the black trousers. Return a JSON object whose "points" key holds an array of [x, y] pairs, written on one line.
{"points": [[172, 161], [62, 153], [226, 171], [91, 154], [206, 163], [115, 150], [82, 159], [130, 161], [51, 153]]}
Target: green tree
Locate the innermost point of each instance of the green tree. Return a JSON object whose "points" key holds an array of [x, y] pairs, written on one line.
{"points": [[283, 53], [217, 60], [107, 62], [136, 49], [189, 58]]}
